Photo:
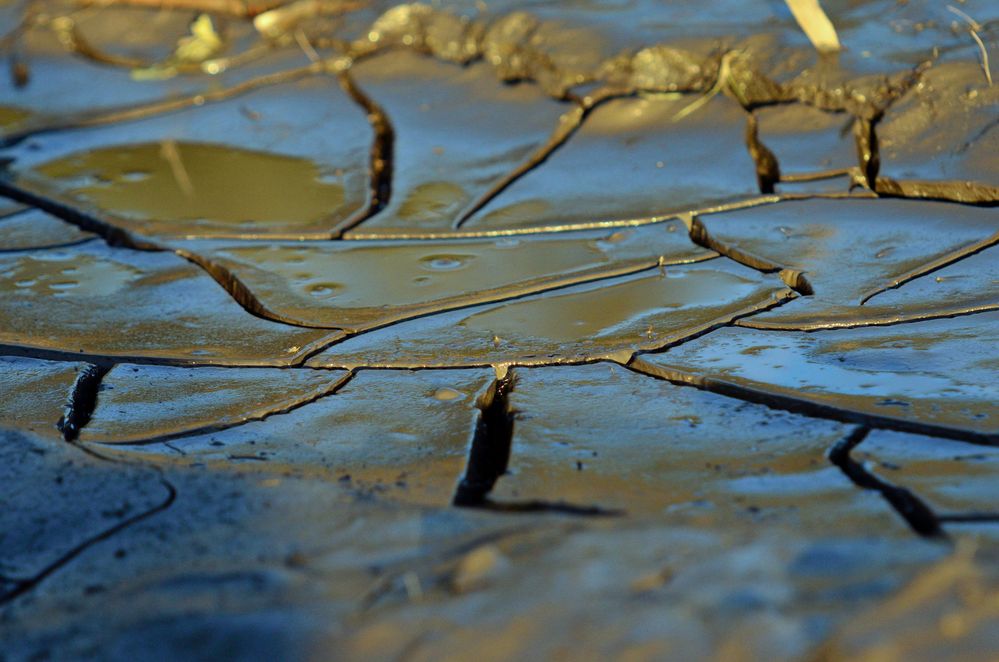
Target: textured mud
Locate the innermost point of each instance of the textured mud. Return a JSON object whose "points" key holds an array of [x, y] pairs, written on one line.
{"points": [[346, 330]]}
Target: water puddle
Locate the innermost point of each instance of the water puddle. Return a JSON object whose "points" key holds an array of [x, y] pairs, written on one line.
{"points": [[349, 285], [63, 274], [200, 188], [584, 321]]}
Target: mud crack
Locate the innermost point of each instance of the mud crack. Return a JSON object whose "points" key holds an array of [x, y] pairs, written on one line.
{"points": [[909, 507]]}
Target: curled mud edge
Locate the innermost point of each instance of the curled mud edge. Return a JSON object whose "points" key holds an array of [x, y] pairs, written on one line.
{"points": [[82, 400], [489, 450]]}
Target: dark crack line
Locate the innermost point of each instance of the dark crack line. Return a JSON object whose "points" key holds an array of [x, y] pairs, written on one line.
{"points": [[142, 111], [8, 349], [29, 584], [239, 292], [584, 278], [84, 390], [909, 507], [569, 124], [112, 235], [381, 165], [14, 213], [46, 247], [969, 518], [837, 326], [542, 506], [116, 237], [729, 320], [934, 265]]}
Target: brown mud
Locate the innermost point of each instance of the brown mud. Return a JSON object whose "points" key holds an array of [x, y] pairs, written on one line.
{"points": [[508, 330]]}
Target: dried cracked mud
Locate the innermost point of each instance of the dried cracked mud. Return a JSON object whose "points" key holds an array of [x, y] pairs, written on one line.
{"points": [[506, 330]]}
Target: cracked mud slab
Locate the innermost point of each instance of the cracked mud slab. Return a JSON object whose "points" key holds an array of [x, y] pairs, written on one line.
{"points": [[36, 229], [84, 289], [508, 331], [936, 374], [852, 250], [344, 434]]}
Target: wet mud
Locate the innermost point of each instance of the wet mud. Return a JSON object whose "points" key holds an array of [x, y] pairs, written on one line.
{"points": [[508, 330]]}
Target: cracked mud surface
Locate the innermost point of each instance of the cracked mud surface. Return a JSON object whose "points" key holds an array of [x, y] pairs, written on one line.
{"points": [[514, 330]]}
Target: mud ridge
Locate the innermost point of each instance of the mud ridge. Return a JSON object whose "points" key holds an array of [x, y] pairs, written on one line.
{"points": [[489, 453], [911, 508], [960, 192], [82, 400]]}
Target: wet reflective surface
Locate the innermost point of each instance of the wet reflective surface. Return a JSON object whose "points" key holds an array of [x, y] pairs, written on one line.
{"points": [[512, 330]]}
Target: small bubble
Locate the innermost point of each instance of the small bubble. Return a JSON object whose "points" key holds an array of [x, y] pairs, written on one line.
{"points": [[447, 394], [324, 290], [445, 262], [134, 176]]}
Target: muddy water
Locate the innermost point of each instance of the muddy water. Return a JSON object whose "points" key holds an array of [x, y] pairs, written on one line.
{"points": [[197, 185], [362, 285]]}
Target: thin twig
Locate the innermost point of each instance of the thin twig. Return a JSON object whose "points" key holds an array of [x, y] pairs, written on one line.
{"points": [[973, 29]]}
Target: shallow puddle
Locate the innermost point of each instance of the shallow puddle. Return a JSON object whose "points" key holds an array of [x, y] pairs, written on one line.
{"points": [[36, 229], [170, 186], [122, 303], [354, 285], [647, 310]]}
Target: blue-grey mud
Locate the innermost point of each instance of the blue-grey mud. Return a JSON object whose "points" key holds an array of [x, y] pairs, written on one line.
{"points": [[503, 330]]}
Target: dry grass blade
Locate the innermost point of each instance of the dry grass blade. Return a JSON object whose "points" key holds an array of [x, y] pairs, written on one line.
{"points": [[816, 25], [974, 27]]}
